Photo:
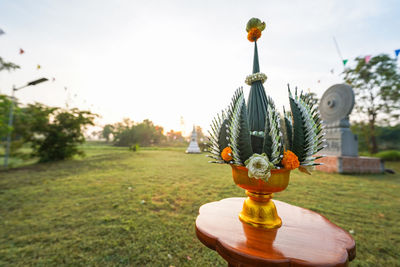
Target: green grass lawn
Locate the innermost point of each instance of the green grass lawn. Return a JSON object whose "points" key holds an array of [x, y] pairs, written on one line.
{"points": [[116, 207]]}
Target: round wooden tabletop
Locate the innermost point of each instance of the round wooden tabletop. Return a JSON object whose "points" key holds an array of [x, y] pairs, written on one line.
{"points": [[304, 239]]}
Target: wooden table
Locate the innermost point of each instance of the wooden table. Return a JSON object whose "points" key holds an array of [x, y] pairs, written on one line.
{"points": [[304, 239]]}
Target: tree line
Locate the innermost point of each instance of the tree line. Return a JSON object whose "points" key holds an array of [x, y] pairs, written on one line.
{"points": [[128, 133], [54, 133], [387, 137]]}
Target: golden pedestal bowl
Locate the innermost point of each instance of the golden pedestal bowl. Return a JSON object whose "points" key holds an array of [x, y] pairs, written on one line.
{"points": [[258, 208]]}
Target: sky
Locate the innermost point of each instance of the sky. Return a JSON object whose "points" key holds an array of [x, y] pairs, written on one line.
{"points": [[177, 62]]}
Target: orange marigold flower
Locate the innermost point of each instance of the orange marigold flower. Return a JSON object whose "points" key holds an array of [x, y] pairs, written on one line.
{"points": [[226, 154], [253, 34], [290, 160]]}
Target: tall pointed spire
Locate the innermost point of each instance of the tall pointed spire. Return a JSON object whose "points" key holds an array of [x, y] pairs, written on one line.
{"points": [[257, 106], [257, 102], [256, 65]]}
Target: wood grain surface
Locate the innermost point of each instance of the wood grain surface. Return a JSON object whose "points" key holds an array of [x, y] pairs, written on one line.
{"points": [[305, 238]]}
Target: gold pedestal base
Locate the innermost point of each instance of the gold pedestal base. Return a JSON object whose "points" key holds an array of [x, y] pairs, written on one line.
{"points": [[260, 211]]}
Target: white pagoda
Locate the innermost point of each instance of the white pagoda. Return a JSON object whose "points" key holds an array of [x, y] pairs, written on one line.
{"points": [[193, 146]]}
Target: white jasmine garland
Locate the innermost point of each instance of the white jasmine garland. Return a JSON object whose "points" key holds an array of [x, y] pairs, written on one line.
{"points": [[259, 76], [259, 166]]}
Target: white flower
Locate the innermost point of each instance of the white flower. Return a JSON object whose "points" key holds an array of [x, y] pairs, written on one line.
{"points": [[259, 166]]}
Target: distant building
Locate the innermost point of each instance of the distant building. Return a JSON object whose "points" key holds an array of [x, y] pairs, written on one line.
{"points": [[193, 147]]}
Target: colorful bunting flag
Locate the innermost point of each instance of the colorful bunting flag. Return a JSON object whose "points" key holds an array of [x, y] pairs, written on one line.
{"points": [[397, 52], [38, 67], [345, 61], [367, 58], [21, 51], [1, 32]]}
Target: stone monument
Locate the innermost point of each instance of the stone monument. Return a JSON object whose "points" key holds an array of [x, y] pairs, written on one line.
{"points": [[335, 107], [341, 144], [193, 147]]}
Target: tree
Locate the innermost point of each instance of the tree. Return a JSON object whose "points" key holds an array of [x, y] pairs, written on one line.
{"points": [[174, 138], [123, 135], [145, 133], [148, 134], [377, 88], [201, 139], [387, 136], [7, 65], [55, 133], [5, 104], [200, 135], [5, 101], [19, 123], [108, 130]]}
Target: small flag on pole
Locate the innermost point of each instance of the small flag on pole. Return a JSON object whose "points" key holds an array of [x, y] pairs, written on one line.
{"points": [[345, 61], [397, 52], [367, 58], [1, 32], [21, 51]]}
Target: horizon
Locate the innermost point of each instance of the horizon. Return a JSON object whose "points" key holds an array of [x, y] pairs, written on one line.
{"points": [[164, 61]]}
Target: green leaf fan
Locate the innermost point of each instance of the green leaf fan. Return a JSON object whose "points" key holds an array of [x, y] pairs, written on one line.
{"points": [[218, 139], [239, 134], [307, 139], [273, 141]]}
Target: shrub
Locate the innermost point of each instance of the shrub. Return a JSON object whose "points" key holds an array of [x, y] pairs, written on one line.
{"points": [[55, 133], [204, 146], [389, 155], [134, 148]]}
